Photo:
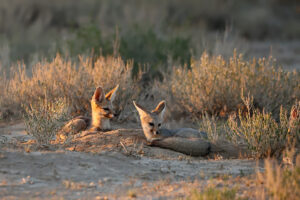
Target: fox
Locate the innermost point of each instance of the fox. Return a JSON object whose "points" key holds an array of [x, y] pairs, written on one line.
{"points": [[188, 141], [102, 113], [185, 140]]}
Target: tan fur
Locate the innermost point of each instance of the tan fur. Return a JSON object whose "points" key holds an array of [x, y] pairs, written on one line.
{"points": [[102, 112], [186, 140], [102, 108]]}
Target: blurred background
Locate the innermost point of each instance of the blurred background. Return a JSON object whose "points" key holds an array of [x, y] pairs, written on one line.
{"points": [[155, 32]]}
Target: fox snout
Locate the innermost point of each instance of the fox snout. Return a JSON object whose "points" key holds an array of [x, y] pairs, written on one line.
{"points": [[155, 132], [109, 115]]}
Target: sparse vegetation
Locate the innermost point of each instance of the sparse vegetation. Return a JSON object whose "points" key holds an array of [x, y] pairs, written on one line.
{"points": [[53, 54], [261, 132], [211, 85], [44, 118], [215, 85], [258, 130]]}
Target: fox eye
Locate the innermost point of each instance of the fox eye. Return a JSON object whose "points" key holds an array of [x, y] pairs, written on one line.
{"points": [[151, 124], [159, 124], [106, 109]]}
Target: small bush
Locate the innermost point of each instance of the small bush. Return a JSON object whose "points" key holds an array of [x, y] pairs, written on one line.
{"points": [[261, 132], [214, 85], [45, 118]]}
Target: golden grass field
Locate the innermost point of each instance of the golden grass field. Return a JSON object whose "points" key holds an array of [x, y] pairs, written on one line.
{"points": [[228, 68]]}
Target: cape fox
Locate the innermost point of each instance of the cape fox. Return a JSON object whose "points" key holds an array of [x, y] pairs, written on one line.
{"points": [[185, 140], [102, 108], [102, 112]]}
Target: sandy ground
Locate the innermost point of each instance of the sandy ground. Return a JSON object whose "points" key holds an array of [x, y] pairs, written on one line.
{"points": [[106, 171]]}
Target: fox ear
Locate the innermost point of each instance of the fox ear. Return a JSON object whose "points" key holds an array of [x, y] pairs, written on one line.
{"points": [[112, 94], [98, 94], [142, 111], [160, 109]]}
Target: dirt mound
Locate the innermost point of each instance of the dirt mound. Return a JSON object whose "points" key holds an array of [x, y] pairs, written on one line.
{"points": [[127, 141]]}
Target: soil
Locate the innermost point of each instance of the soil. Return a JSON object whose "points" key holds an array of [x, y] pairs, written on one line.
{"points": [[107, 165]]}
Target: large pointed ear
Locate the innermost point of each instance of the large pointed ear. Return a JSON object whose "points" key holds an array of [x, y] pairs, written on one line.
{"points": [[98, 94], [160, 109], [142, 111], [111, 95]]}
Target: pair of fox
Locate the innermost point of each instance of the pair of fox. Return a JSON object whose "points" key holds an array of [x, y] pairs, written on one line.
{"points": [[184, 140]]}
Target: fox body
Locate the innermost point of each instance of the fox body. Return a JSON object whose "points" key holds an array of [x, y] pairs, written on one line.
{"points": [[184, 140], [102, 112]]}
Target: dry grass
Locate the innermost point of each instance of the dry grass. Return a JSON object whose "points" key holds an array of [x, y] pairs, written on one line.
{"points": [[44, 119], [258, 131], [263, 135], [62, 78], [215, 85], [279, 182]]}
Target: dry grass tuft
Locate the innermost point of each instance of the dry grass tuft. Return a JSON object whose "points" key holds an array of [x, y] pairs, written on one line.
{"points": [[215, 85], [263, 135], [258, 131], [279, 182], [44, 119]]}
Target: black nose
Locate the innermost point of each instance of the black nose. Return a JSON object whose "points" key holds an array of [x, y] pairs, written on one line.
{"points": [[157, 132], [116, 114]]}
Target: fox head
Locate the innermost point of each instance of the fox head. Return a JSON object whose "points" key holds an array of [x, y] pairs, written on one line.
{"points": [[151, 121], [102, 108]]}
